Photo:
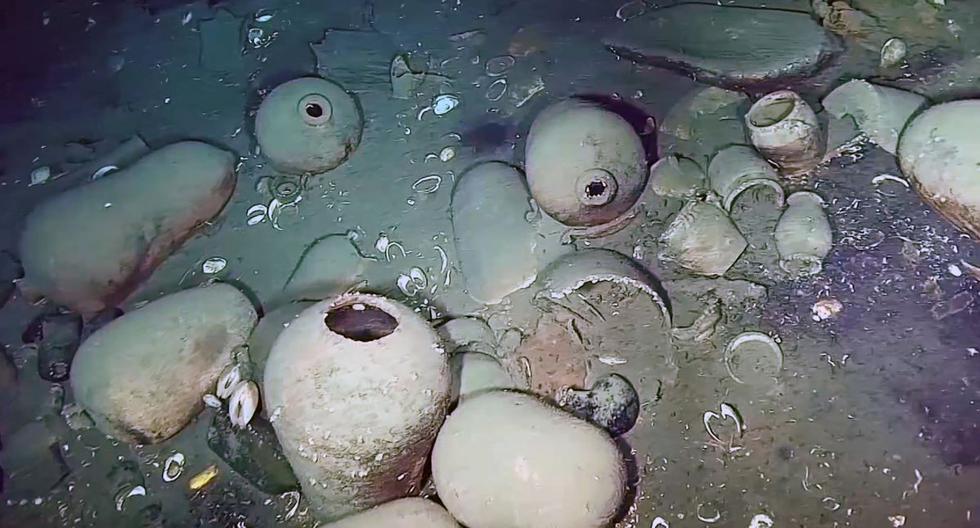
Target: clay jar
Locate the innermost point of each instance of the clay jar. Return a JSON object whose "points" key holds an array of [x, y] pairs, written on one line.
{"points": [[308, 125], [939, 152], [356, 388], [585, 165]]}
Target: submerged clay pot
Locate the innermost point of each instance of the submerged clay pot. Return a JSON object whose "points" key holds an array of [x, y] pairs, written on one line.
{"points": [[541, 465], [357, 387], [585, 165], [785, 130], [308, 125], [495, 241], [411, 512], [88, 248], [940, 154], [142, 376]]}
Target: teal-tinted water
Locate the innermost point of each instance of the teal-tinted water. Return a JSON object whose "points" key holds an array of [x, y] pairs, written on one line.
{"points": [[851, 402]]}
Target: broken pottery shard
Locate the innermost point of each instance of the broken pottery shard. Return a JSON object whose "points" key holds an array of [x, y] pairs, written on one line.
{"points": [[253, 452], [89, 247], [879, 111], [367, 69], [329, 266], [494, 239], [703, 122], [726, 45]]}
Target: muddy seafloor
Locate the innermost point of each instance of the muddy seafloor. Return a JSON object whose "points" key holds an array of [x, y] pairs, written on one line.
{"points": [[872, 419]]}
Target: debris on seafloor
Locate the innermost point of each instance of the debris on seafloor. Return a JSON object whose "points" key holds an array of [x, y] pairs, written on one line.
{"points": [[674, 176], [40, 175], [405, 82], [352, 338], [202, 479], [367, 70], [409, 511], [880, 112], [956, 304], [939, 153], [826, 309], [214, 265], [703, 327], [32, 458], [803, 235], [158, 200], [495, 236], [696, 39], [119, 360], [585, 165], [739, 168], [253, 452], [702, 238], [786, 131], [173, 467], [308, 125], [753, 358], [59, 340], [703, 122], [586, 467], [611, 403]]}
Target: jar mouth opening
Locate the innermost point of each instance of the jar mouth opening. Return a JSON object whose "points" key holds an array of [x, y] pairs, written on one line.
{"points": [[315, 109], [361, 322], [770, 111], [597, 187]]}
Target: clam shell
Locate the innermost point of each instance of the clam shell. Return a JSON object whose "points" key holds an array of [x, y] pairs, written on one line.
{"points": [[228, 380], [173, 467], [213, 265], [243, 402], [445, 103]]}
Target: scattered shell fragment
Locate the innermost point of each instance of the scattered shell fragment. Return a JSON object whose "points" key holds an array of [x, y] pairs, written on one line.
{"points": [[261, 17], [761, 520], [103, 171], [173, 467], [427, 184], [243, 402], [445, 103], [126, 493], [631, 9], [446, 154], [753, 356], [496, 90], [882, 178], [203, 478], [213, 265], [256, 214], [40, 175], [893, 52], [499, 65], [413, 282], [211, 401], [826, 309]]}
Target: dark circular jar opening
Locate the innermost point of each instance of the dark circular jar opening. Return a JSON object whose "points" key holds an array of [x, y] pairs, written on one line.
{"points": [[360, 322]]}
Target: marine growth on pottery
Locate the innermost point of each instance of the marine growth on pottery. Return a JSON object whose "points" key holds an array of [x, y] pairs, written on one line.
{"points": [[88, 247], [356, 387], [308, 125], [585, 165]]}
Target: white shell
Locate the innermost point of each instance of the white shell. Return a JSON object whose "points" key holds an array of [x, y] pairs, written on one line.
{"points": [[447, 154], [893, 52], [213, 265], [256, 214], [123, 495], [211, 401], [103, 171], [243, 403], [173, 467], [445, 103], [40, 175], [228, 380]]}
